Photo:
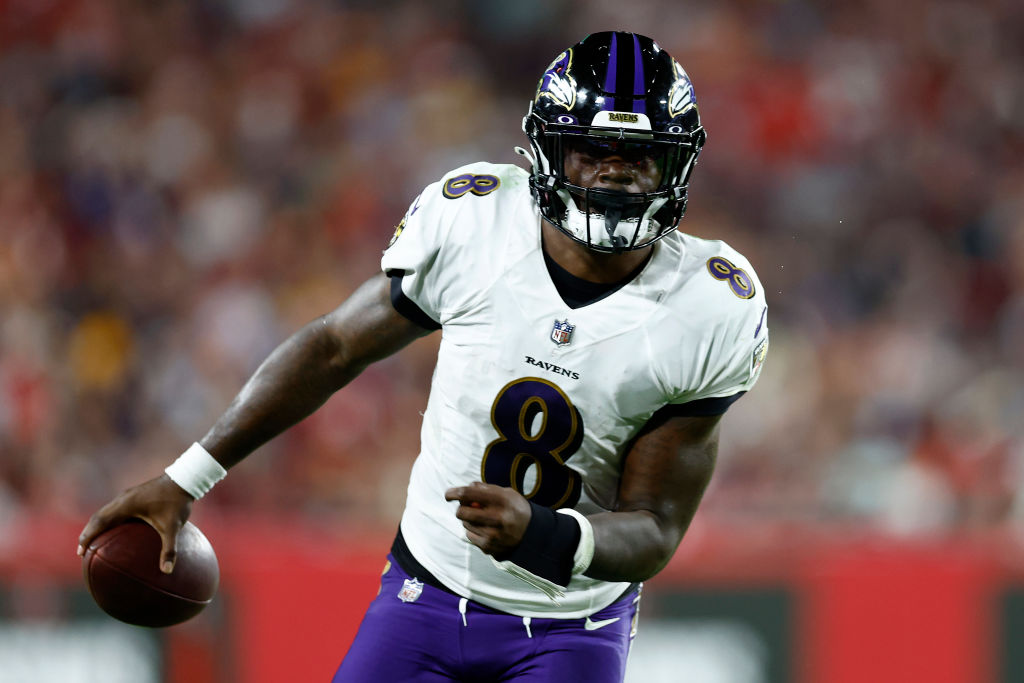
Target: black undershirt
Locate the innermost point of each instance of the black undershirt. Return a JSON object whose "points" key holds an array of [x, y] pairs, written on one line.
{"points": [[411, 566], [577, 292]]}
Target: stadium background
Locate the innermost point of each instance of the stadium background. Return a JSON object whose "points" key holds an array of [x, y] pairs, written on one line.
{"points": [[184, 183]]}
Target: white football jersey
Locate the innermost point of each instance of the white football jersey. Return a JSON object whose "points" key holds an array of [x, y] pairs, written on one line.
{"points": [[530, 393]]}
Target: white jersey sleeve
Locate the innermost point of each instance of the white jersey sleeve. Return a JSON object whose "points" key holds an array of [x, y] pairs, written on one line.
{"points": [[421, 250], [734, 316]]}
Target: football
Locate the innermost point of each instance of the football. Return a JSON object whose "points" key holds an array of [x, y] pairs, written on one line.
{"points": [[121, 569]]}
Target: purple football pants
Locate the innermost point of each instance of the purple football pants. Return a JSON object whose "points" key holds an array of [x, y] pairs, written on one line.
{"points": [[438, 637]]}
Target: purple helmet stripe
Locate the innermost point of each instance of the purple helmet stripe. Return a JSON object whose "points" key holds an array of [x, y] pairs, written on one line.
{"points": [[609, 79], [639, 89]]}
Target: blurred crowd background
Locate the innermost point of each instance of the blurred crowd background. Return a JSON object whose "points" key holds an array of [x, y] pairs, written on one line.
{"points": [[183, 184]]}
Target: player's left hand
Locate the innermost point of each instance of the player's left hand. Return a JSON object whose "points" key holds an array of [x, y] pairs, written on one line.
{"points": [[495, 517]]}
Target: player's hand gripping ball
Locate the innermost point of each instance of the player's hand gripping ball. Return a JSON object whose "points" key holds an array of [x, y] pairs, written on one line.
{"points": [[121, 569]]}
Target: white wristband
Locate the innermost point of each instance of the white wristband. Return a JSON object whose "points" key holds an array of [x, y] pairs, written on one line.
{"points": [[585, 548], [196, 471]]}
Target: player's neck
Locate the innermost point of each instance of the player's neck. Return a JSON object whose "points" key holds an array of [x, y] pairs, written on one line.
{"points": [[588, 264]]}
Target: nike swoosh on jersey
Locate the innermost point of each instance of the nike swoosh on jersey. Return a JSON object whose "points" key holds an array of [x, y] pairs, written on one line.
{"points": [[594, 625]]}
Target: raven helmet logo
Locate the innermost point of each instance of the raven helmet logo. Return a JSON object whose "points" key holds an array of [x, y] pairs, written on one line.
{"points": [[681, 96], [557, 83]]}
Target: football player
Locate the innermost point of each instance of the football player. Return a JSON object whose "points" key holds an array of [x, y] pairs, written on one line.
{"points": [[588, 352]]}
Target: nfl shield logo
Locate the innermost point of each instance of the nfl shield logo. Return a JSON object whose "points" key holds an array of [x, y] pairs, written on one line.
{"points": [[411, 589], [561, 333]]}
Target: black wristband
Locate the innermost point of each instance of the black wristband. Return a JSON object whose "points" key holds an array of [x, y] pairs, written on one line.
{"points": [[548, 545]]}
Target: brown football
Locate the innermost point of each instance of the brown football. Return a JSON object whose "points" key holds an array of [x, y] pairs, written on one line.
{"points": [[122, 570]]}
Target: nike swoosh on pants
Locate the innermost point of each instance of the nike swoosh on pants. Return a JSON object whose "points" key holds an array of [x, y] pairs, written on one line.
{"points": [[594, 625]]}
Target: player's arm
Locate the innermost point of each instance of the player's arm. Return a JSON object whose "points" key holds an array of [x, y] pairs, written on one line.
{"points": [[303, 372], [295, 380], [664, 477]]}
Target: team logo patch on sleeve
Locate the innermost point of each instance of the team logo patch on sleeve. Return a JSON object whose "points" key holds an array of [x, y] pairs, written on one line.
{"points": [[398, 231], [411, 589], [760, 353], [405, 219], [561, 333]]}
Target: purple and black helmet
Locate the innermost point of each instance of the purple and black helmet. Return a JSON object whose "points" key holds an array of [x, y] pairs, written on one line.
{"points": [[618, 89]]}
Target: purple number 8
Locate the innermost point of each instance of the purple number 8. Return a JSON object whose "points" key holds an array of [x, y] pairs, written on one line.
{"points": [[470, 182], [725, 270]]}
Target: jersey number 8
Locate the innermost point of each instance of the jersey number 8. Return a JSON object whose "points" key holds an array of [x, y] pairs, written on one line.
{"points": [[480, 184], [537, 425]]}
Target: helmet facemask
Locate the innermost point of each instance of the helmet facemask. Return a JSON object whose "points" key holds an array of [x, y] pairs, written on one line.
{"points": [[603, 219]]}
